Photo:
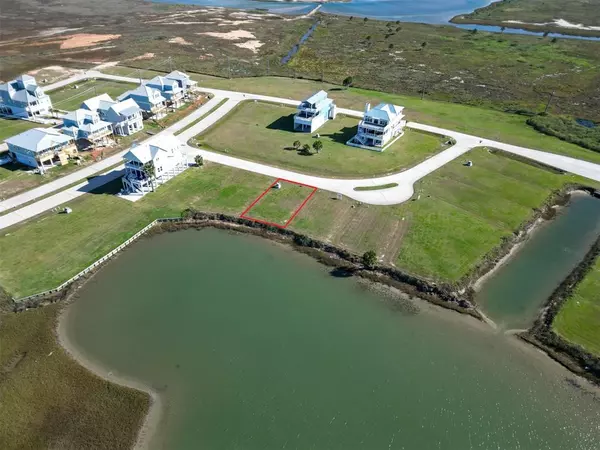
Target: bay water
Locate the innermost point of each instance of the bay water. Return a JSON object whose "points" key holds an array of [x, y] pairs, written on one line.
{"points": [[254, 346]]}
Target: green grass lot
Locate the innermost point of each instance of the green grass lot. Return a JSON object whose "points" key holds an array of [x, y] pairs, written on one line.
{"points": [[462, 214], [15, 178], [488, 123], [264, 132], [49, 400], [10, 127], [68, 98], [579, 317], [278, 205]]}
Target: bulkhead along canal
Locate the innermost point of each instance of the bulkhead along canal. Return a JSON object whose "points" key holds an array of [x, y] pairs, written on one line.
{"points": [[253, 346]]}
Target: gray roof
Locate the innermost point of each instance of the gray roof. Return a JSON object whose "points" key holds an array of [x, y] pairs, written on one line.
{"points": [[102, 101], [39, 139], [148, 151], [126, 107], [143, 91], [385, 111]]}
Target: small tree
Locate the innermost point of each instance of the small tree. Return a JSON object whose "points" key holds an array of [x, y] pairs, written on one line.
{"points": [[149, 169], [306, 149], [391, 46], [369, 259], [423, 44], [199, 160], [318, 146], [502, 29], [296, 145], [398, 28], [347, 82], [365, 19]]}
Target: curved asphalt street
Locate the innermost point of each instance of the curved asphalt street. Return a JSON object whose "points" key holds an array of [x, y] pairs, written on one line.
{"points": [[389, 196]]}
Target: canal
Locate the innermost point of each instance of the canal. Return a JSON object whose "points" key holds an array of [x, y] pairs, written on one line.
{"points": [[513, 296]]}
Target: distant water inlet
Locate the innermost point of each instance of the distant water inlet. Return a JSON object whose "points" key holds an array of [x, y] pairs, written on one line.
{"points": [[296, 47], [254, 346], [513, 296]]}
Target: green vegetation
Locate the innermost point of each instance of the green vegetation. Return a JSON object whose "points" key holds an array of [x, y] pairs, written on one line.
{"points": [[567, 129], [49, 400], [462, 213], [278, 205], [16, 178], [369, 258], [11, 127], [579, 317], [507, 72], [100, 221], [488, 123], [264, 132], [68, 98], [376, 188], [537, 12]]}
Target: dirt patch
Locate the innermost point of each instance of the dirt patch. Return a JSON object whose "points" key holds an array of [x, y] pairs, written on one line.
{"points": [[252, 45], [232, 35], [179, 40], [85, 40], [144, 56], [53, 73]]}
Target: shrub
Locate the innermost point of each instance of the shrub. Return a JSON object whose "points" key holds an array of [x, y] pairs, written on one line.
{"points": [[567, 129], [369, 259]]}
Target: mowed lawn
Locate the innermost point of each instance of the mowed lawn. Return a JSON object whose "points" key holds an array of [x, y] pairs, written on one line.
{"points": [[264, 132], [278, 205], [68, 98], [463, 213], [579, 317], [12, 127]]}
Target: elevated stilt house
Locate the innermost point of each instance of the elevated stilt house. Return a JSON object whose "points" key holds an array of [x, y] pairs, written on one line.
{"points": [[314, 112]]}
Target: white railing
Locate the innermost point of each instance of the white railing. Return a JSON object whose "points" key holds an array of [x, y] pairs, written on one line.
{"points": [[99, 261]]}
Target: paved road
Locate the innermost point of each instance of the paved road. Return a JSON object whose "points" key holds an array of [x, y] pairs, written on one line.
{"points": [[390, 196], [98, 167]]}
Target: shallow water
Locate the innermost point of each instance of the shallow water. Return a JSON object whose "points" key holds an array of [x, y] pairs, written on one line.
{"points": [[431, 11], [253, 346], [513, 296]]}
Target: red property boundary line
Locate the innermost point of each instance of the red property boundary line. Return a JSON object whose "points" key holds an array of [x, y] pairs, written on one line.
{"points": [[245, 215]]}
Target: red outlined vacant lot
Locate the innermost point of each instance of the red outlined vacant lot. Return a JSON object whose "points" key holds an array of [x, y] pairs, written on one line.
{"points": [[278, 207]]}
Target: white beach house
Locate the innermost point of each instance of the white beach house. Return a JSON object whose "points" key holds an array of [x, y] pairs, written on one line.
{"points": [[314, 112], [380, 127], [41, 148], [22, 97], [153, 163]]}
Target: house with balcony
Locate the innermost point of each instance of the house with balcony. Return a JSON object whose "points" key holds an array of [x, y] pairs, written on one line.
{"points": [[380, 127], [183, 80], [169, 89], [149, 99], [125, 117], [22, 97], [152, 163], [41, 148], [87, 125], [314, 112]]}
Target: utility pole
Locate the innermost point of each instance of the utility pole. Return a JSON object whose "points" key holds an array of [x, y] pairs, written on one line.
{"points": [[268, 66], [139, 75], [549, 100]]}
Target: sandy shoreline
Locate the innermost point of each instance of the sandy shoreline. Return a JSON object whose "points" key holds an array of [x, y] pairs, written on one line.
{"points": [[154, 415]]}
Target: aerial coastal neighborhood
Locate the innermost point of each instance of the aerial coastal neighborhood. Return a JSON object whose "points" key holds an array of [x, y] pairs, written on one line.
{"points": [[299, 210]]}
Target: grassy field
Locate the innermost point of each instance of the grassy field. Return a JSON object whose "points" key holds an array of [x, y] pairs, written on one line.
{"points": [[68, 98], [537, 11], [488, 123], [50, 401], [10, 127], [461, 215], [578, 319], [278, 205], [264, 132]]}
